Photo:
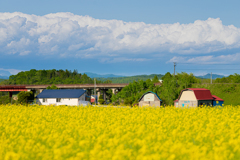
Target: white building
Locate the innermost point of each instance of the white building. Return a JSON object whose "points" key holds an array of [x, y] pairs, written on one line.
{"points": [[71, 97], [150, 99]]}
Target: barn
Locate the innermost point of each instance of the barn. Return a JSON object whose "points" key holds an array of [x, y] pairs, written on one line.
{"points": [[150, 99], [62, 97], [194, 97]]}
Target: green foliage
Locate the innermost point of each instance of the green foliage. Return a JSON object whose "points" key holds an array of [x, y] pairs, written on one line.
{"points": [[3, 93], [155, 79], [24, 97], [4, 99], [132, 92], [109, 94], [229, 88], [52, 87], [51, 77], [168, 91], [230, 79], [3, 81], [101, 100]]}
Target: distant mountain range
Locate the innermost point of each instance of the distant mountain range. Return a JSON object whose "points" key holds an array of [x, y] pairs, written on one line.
{"points": [[208, 76], [4, 77], [94, 75], [4, 74]]}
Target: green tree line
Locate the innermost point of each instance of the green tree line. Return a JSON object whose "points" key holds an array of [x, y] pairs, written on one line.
{"points": [[235, 78], [130, 79], [172, 86], [168, 91], [51, 77]]}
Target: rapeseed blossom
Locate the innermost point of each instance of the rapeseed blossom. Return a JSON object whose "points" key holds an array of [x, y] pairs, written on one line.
{"points": [[63, 132]]}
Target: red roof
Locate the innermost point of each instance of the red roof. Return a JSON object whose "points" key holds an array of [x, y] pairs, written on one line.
{"points": [[176, 100], [215, 98], [200, 93], [158, 84]]}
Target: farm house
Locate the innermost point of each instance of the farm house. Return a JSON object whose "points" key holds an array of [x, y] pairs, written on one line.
{"points": [[62, 97], [150, 99], [193, 97]]}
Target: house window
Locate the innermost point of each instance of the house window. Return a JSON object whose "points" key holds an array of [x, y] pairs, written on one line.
{"points": [[58, 100], [44, 99]]}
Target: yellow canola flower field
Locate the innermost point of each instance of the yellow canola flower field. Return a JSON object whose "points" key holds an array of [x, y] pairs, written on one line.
{"points": [[63, 132]]}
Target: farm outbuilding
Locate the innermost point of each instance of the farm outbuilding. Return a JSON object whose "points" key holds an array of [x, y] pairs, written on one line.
{"points": [[217, 101], [93, 99], [150, 99], [62, 97], [194, 97]]}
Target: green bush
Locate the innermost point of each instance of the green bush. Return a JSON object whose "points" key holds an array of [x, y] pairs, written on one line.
{"points": [[101, 100], [4, 99], [52, 87], [24, 97]]}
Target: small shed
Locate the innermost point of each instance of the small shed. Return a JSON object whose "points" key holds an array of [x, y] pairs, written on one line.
{"points": [[217, 101], [150, 99], [93, 99], [62, 97]]}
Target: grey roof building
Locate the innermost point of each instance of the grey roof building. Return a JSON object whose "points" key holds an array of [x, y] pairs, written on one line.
{"points": [[72, 97], [61, 93]]}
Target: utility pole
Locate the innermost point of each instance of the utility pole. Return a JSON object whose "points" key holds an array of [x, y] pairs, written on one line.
{"points": [[211, 77], [95, 97], [174, 64]]}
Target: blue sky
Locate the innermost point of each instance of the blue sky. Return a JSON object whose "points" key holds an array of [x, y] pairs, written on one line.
{"points": [[120, 37]]}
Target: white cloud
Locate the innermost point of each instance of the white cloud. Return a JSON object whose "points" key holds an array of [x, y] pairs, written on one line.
{"points": [[122, 59], [222, 59], [69, 34], [24, 53], [12, 71]]}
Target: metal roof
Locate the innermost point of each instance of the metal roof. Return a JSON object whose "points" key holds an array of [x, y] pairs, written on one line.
{"points": [[215, 98], [200, 93], [149, 92], [61, 93]]}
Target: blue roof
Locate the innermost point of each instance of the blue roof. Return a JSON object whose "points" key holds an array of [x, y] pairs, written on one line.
{"points": [[61, 93], [147, 93]]}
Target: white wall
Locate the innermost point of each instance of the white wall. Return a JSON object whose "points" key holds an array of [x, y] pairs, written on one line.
{"points": [[187, 99], [64, 101], [188, 96]]}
